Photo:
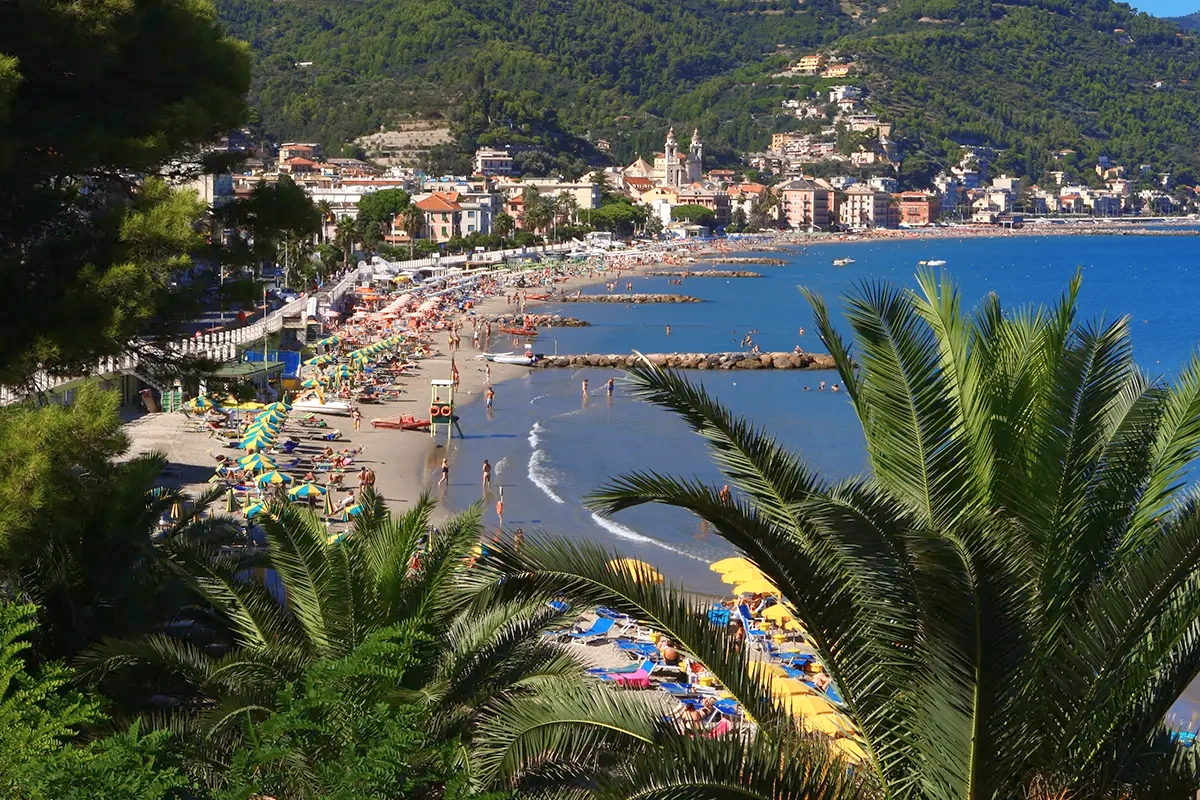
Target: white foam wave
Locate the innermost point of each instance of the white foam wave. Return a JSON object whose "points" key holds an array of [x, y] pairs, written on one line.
{"points": [[625, 532], [542, 476], [534, 439], [539, 397], [500, 466]]}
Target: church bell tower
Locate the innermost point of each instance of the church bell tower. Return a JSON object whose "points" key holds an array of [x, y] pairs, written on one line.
{"points": [[695, 161]]}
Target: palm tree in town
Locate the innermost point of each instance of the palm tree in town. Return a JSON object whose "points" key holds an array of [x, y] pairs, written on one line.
{"points": [[1009, 601], [503, 225], [345, 238], [218, 671], [327, 218], [413, 221]]}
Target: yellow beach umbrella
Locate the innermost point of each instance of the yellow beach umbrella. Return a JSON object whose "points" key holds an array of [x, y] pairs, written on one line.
{"points": [[177, 510], [731, 564], [766, 669], [828, 724], [257, 461], [786, 687], [230, 501], [778, 613], [639, 570], [849, 749], [808, 705], [794, 627], [307, 490], [329, 507], [756, 586], [742, 575], [274, 478]]}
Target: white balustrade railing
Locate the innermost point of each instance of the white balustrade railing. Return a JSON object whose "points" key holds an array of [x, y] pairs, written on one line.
{"points": [[223, 345]]}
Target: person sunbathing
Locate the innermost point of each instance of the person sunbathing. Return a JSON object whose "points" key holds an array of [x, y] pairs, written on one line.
{"points": [[697, 716]]}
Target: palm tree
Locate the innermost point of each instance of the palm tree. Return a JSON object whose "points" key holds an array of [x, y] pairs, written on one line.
{"points": [[327, 218], [1009, 601], [474, 660], [413, 220], [503, 224], [345, 239]]}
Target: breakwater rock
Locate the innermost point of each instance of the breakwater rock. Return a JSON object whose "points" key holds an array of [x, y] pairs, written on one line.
{"points": [[635, 299], [706, 273], [539, 320], [773, 262], [697, 360]]}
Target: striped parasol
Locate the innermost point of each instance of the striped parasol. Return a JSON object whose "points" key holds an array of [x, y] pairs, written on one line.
{"points": [[307, 490], [257, 462], [274, 478]]}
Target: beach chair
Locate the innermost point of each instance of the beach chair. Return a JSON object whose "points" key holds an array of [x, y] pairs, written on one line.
{"points": [[646, 666], [559, 606], [718, 615], [643, 649], [678, 689], [599, 630], [753, 634]]}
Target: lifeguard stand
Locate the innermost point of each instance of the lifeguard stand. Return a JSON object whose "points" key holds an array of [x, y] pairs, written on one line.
{"points": [[441, 410]]}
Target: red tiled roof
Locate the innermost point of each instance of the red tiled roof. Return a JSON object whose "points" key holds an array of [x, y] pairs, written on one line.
{"points": [[437, 202]]}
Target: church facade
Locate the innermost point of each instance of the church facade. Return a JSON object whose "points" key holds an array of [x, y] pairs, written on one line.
{"points": [[672, 168]]}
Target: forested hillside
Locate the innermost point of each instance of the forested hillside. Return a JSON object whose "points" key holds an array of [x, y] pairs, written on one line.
{"points": [[1036, 76], [584, 63], [1030, 76]]}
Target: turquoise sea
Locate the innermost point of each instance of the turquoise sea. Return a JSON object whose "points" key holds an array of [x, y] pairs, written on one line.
{"points": [[550, 446]]}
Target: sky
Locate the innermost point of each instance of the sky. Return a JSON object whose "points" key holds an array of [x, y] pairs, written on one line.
{"points": [[1166, 8]]}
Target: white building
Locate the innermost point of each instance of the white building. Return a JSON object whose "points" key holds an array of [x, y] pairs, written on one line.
{"points": [[493, 162]]}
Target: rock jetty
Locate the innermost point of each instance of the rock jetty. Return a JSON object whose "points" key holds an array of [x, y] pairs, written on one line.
{"points": [[697, 360], [705, 273], [772, 262], [540, 320], [635, 299]]}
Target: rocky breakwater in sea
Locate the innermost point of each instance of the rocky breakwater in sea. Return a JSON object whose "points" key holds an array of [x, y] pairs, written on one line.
{"points": [[704, 273], [697, 360], [635, 299], [539, 320], [772, 262]]}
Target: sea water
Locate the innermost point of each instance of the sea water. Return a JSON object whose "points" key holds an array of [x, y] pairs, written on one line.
{"points": [[552, 446]]}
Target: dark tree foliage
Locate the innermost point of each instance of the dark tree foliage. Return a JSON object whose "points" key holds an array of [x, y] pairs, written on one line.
{"points": [[93, 96]]}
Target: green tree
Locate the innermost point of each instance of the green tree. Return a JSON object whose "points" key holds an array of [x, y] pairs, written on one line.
{"points": [[376, 211], [414, 220], [737, 221], [72, 131], [472, 656], [504, 225], [1007, 601], [274, 215], [345, 238], [699, 215]]}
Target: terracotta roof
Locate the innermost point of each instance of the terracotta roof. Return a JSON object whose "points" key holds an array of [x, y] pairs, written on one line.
{"points": [[437, 202], [635, 180]]}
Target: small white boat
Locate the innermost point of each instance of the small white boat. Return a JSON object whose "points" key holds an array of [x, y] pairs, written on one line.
{"points": [[937, 262], [841, 262], [315, 403], [524, 359]]}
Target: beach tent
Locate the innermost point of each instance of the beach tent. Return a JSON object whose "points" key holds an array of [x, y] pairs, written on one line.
{"points": [[639, 570]]}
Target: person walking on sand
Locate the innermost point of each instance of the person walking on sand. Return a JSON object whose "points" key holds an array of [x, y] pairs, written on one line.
{"points": [[445, 473], [356, 415], [487, 374], [585, 387], [490, 396], [487, 475]]}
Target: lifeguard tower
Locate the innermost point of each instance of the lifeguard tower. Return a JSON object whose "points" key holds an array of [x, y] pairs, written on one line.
{"points": [[441, 410]]}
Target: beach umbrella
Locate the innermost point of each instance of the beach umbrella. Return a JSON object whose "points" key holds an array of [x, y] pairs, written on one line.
{"points": [[274, 478], [787, 687], [778, 613], [177, 511], [808, 705], [352, 511], [756, 586], [329, 507], [230, 501], [794, 627], [306, 490], [335, 536], [255, 509], [203, 403], [828, 724], [742, 575], [639, 570], [849, 749], [311, 383], [731, 564], [278, 405], [257, 462], [765, 669], [256, 443]]}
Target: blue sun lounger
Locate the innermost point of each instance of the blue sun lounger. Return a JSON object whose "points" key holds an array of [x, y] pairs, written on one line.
{"points": [[646, 666], [643, 649], [599, 629]]}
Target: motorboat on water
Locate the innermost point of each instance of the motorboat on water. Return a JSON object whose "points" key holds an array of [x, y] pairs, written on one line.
{"points": [[315, 403], [841, 262], [937, 262], [521, 359]]}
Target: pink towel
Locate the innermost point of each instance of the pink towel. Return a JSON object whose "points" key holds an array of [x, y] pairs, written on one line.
{"points": [[633, 680], [723, 727]]}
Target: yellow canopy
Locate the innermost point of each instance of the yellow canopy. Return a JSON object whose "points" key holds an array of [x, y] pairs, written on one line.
{"points": [[731, 564], [849, 749], [764, 669], [756, 586], [778, 613], [640, 570], [794, 627], [742, 575], [786, 687], [809, 705], [829, 724]]}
